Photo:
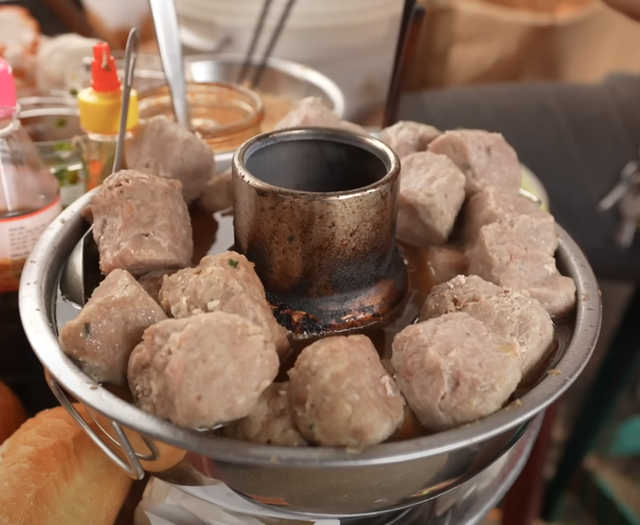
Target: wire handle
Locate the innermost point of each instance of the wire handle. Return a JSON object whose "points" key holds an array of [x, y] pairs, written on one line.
{"points": [[132, 465]]}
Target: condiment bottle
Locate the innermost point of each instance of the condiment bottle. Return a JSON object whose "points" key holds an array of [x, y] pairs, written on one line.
{"points": [[29, 193], [100, 107], [29, 201]]}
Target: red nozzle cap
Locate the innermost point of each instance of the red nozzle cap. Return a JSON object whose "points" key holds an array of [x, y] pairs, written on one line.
{"points": [[104, 75]]}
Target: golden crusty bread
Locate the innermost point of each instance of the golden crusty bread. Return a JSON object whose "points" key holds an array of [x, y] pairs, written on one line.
{"points": [[51, 473], [12, 413]]}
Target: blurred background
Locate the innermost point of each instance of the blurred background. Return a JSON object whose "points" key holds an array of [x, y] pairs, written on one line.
{"points": [[463, 47]]}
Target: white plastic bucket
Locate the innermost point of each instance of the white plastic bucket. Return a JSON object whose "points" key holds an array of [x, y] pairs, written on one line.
{"points": [[351, 41]]}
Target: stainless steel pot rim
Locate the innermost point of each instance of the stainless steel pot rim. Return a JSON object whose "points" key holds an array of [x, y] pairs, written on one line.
{"points": [[37, 291], [360, 140]]}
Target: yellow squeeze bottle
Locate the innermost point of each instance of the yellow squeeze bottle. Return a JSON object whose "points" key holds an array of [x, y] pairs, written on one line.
{"points": [[100, 107]]}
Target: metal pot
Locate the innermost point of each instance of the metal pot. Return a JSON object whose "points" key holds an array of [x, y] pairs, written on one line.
{"points": [[308, 481], [315, 211]]}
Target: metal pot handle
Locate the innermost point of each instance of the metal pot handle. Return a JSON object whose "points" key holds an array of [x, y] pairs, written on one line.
{"points": [[132, 464]]}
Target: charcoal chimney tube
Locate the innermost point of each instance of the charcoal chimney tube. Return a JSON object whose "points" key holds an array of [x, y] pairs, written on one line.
{"points": [[315, 210]]}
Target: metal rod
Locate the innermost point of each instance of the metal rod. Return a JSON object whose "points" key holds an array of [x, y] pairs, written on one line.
{"points": [[165, 20], [412, 17], [130, 57], [272, 44], [257, 31]]}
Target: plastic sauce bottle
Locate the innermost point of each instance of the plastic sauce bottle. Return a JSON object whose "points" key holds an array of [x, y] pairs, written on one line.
{"points": [[100, 107], [29, 201]]}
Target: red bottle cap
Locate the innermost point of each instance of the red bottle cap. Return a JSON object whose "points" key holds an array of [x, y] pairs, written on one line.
{"points": [[104, 75]]}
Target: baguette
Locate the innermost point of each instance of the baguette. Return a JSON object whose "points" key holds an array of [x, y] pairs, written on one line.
{"points": [[51, 473]]}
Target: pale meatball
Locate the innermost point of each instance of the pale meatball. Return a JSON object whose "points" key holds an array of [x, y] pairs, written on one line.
{"points": [[340, 395], [311, 112], [202, 371], [406, 137], [492, 205], [504, 312], [452, 370], [218, 193], [152, 282], [269, 423], [102, 336], [164, 148], [141, 224], [485, 158], [227, 283], [456, 293], [431, 195], [445, 262], [503, 257], [308, 112]]}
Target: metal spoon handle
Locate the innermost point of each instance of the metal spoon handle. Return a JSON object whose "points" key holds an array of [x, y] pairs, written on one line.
{"points": [[165, 20], [130, 57]]}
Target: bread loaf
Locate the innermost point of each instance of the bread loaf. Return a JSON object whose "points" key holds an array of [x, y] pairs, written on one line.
{"points": [[12, 413], [51, 473]]}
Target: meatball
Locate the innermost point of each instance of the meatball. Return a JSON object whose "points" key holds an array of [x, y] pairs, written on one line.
{"points": [[152, 282], [406, 137], [452, 370], [311, 112], [102, 336], [504, 312], [340, 395], [485, 158], [164, 148], [431, 195], [522, 230], [269, 423], [456, 293], [503, 257], [445, 263], [202, 371], [141, 223], [228, 283], [491, 205], [218, 193]]}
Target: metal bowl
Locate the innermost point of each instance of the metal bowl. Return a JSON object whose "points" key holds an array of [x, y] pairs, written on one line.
{"points": [[308, 481], [280, 77]]}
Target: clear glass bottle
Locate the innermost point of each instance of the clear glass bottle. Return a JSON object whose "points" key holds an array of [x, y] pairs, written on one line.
{"points": [[55, 131], [29, 201], [29, 195]]}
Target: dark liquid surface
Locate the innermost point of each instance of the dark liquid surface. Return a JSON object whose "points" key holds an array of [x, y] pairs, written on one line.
{"points": [[214, 234], [315, 166]]}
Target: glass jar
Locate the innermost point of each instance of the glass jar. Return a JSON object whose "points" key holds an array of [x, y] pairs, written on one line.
{"points": [[224, 115], [57, 135]]}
